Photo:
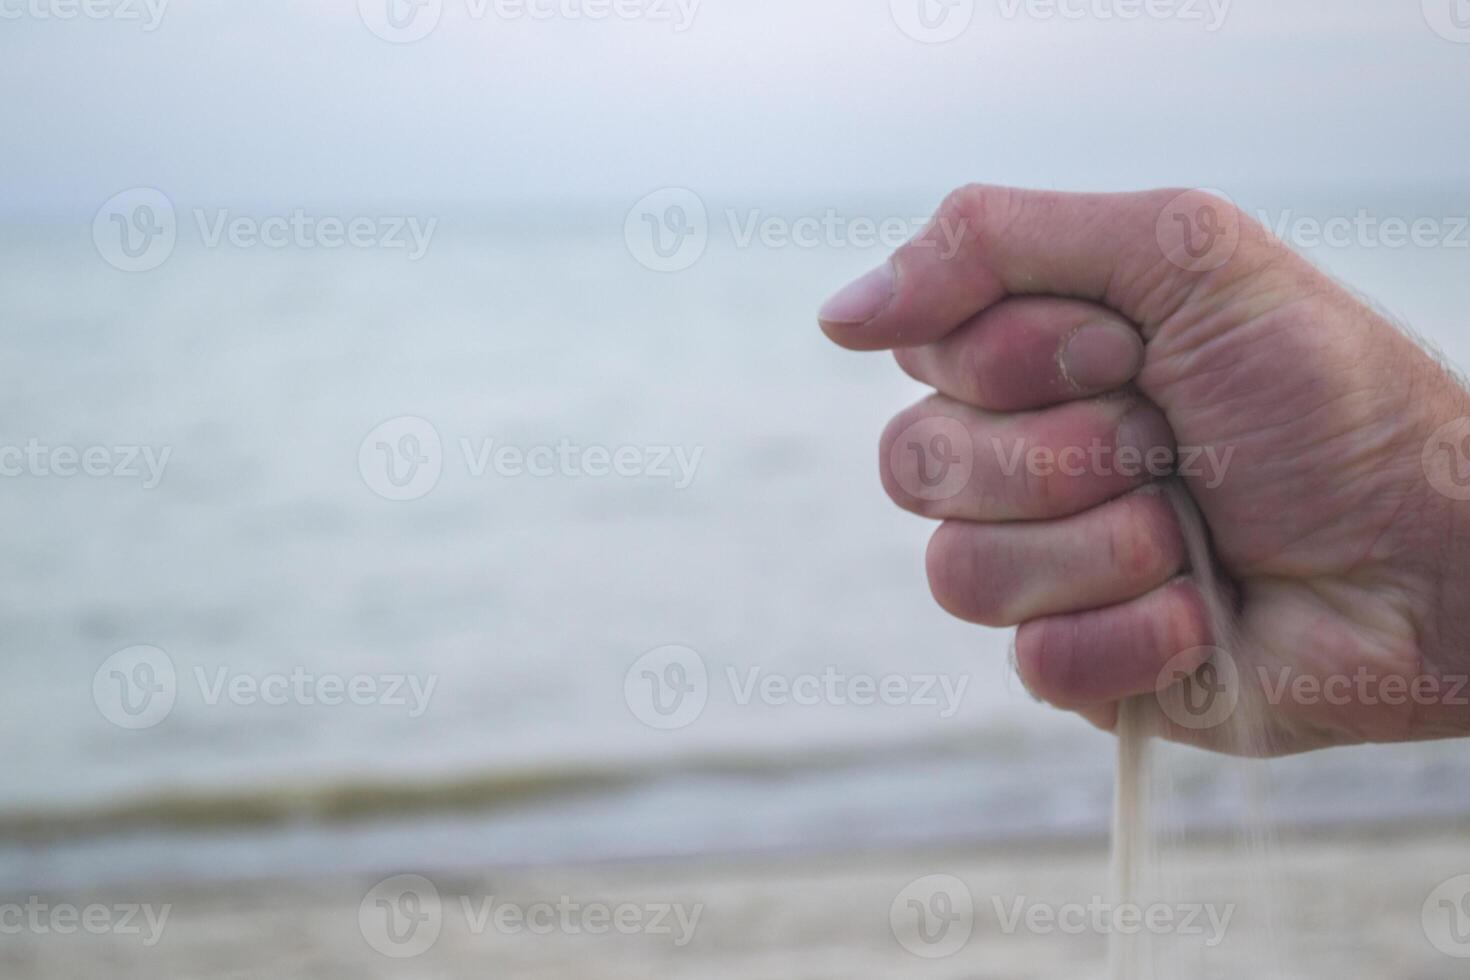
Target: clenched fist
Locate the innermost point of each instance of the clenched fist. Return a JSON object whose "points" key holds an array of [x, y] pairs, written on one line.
{"points": [[1084, 348]]}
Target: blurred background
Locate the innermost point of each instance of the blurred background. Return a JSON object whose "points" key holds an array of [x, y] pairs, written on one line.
{"points": [[420, 458]]}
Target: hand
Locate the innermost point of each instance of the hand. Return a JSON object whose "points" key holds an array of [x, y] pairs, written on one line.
{"points": [[1082, 346]]}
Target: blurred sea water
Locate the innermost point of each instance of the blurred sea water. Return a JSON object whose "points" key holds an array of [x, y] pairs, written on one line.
{"points": [[521, 603]]}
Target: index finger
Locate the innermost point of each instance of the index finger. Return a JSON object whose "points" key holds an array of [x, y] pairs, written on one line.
{"points": [[987, 243]]}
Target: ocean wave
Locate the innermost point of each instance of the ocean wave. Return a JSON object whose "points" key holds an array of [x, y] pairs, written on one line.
{"points": [[342, 800]]}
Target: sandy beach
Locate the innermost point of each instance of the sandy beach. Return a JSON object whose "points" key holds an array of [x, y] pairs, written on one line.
{"points": [[1354, 909]]}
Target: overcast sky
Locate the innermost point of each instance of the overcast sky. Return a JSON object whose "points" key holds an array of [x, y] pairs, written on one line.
{"points": [[299, 102]]}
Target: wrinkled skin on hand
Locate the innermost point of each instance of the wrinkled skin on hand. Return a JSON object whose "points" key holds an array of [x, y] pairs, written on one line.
{"points": [[1310, 431]]}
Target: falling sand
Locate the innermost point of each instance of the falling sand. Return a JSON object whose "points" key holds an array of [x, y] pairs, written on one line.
{"points": [[1143, 874]]}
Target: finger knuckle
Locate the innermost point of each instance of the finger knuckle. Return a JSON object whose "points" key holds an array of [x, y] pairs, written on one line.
{"points": [[977, 369], [1046, 652], [1034, 491], [911, 361], [1185, 620], [977, 206], [1141, 544], [966, 577], [898, 470]]}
